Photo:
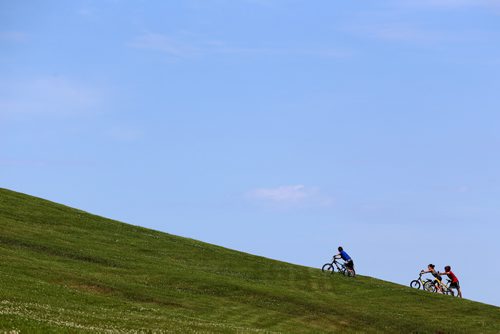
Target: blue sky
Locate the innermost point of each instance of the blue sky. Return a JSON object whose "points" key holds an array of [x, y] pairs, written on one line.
{"points": [[279, 128]]}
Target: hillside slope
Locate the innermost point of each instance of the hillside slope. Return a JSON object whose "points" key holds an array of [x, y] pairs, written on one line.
{"points": [[64, 270]]}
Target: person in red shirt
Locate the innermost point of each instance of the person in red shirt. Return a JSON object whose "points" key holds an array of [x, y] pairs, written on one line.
{"points": [[454, 280]]}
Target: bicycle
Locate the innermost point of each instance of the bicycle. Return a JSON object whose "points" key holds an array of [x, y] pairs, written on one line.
{"points": [[445, 288], [426, 285], [341, 268]]}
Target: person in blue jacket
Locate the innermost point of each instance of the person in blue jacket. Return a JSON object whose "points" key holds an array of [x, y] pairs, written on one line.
{"points": [[349, 263]]}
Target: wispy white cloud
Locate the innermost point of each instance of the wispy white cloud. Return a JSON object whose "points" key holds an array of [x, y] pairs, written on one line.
{"points": [[391, 28], [202, 4], [291, 195], [125, 133], [268, 3], [43, 163], [86, 12], [13, 36], [449, 4], [295, 193], [400, 21], [163, 43], [400, 32], [46, 96], [186, 45], [313, 52]]}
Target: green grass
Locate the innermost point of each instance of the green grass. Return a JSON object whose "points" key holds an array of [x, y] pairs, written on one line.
{"points": [[64, 270]]}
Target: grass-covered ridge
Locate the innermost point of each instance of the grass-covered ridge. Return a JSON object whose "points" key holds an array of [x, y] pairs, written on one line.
{"points": [[64, 270]]}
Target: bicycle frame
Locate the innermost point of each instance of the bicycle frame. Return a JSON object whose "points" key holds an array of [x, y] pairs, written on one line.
{"points": [[422, 282], [335, 264], [340, 266], [445, 288]]}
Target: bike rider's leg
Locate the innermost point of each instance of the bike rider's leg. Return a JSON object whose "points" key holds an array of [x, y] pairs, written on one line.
{"points": [[438, 286], [459, 291], [350, 266]]}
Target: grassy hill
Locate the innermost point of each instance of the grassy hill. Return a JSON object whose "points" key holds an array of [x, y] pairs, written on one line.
{"points": [[64, 270]]}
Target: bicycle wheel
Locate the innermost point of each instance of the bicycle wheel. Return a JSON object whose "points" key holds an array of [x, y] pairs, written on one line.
{"points": [[327, 268], [415, 284], [429, 286], [449, 292]]}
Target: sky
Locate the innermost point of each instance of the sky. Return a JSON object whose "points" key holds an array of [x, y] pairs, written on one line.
{"points": [[282, 128]]}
